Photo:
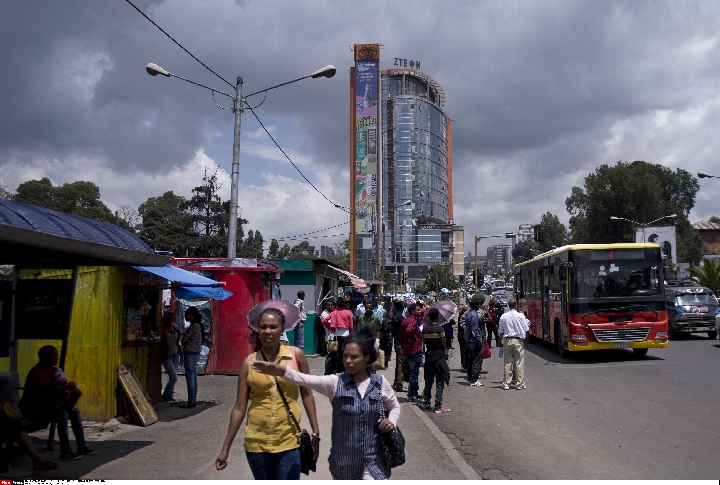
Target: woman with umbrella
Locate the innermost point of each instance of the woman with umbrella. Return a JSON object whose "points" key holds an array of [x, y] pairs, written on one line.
{"points": [[272, 442], [359, 398]]}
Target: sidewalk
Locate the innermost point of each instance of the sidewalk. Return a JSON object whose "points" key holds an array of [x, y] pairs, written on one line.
{"points": [[185, 442]]}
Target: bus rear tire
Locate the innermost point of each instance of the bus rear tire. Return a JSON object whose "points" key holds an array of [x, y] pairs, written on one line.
{"points": [[640, 352], [712, 335]]}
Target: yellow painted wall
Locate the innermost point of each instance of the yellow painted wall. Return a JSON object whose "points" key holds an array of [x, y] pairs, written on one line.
{"points": [[4, 364], [95, 341]]}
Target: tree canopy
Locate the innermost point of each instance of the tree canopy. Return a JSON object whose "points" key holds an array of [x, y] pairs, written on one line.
{"points": [[81, 198], [638, 191], [556, 235], [438, 276]]}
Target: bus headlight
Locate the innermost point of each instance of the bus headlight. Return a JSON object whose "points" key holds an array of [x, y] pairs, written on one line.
{"points": [[661, 335]]}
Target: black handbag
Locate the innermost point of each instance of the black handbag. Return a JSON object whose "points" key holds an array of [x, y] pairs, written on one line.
{"points": [[392, 444], [307, 455]]}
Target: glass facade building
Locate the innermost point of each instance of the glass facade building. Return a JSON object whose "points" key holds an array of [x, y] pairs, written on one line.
{"points": [[416, 174]]}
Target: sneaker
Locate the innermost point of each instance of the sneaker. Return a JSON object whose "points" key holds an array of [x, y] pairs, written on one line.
{"points": [[70, 456], [521, 386], [86, 451], [505, 386], [441, 410], [411, 399], [476, 384]]}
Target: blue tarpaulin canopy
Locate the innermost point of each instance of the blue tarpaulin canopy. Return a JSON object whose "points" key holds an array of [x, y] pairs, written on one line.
{"points": [[188, 285]]}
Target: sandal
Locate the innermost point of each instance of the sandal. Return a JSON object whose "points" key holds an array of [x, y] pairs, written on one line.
{"points": [[45, 465]]}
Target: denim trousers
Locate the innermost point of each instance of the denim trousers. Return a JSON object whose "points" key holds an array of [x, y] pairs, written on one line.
{"points": [[61, 418], [475, 363], [191, 376], [414, 361], [300, 335], [170, 365], [275, 466]]}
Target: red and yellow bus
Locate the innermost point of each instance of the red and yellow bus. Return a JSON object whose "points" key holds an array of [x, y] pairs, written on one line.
{"points": [[595, 296]]}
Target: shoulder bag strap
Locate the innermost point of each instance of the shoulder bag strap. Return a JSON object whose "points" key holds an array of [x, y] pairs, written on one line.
{"points": [[282, 396]]}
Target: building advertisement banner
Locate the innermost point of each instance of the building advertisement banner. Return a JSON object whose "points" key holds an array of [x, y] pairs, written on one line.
{"points": [[662, 235], [366, 145]]}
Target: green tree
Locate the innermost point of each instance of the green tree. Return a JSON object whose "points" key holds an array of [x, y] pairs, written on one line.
{"points": [[5, 193], [714, 219], [707, 275], [252, 246], [166, 226], [302, 251], [555, 233], [438, 276], [342, 255], [524, 251], [273, 250], [637, 191], [210, 216], [81, 198]]}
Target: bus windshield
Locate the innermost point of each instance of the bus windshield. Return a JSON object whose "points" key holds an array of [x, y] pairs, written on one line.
{"points": [[618, 273]]}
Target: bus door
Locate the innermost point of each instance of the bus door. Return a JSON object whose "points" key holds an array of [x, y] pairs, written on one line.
{"points": [[545, 295]]}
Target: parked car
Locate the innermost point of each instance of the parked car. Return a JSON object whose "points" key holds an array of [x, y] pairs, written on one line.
{"points": [[691, 309]]}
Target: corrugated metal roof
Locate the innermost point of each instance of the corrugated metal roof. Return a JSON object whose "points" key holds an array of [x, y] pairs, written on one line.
{"points": [[48, 221], [705, 225], [25, 228]]}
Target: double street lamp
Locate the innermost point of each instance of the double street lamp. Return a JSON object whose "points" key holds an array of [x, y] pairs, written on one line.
{"points": [[477, 240], [238, 107], [642, 225]]}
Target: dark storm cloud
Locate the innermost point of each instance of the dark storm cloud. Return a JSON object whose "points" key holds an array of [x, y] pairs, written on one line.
{"points": [[541, 93]]}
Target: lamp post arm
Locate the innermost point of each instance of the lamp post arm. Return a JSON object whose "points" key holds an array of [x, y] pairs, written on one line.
{"points": [[664, 217], [277, 86], [202, 86]]}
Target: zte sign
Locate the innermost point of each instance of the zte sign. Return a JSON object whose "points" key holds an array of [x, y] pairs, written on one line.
{"points": [[406, 63]]}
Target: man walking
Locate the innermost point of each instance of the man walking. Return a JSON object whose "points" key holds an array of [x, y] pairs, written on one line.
{"points": [[436, 368], [513, 326], [396, 322], [411, 341], [475, 341], [300, 327]]}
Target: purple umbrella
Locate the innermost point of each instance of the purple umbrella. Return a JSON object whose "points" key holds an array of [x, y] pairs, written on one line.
{"points": [[447, 311], [291, 312]]}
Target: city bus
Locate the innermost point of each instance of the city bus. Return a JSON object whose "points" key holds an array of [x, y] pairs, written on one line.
{"points": [[595, 296]]}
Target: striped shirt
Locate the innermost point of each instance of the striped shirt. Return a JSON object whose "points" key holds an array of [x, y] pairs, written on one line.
{"points": [[192, 340]]}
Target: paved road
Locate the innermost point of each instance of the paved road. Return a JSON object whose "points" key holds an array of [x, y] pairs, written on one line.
{"points": [[603, 415]]}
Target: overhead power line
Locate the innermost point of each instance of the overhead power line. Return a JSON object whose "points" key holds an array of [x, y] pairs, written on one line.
{"points": [[311, 232]]}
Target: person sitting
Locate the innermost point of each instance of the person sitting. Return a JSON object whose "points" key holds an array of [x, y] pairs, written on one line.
{"points": [[635, 283], [49, 397]]}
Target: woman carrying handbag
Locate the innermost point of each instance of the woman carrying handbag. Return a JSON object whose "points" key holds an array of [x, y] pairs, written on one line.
{"points": [[359, 400], [273, 439]]}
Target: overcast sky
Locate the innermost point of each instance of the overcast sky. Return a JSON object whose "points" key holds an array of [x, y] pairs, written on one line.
{"points": [[540, 92]]}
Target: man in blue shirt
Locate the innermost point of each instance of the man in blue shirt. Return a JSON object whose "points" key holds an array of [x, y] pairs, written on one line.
{"points": [[475, 324]]}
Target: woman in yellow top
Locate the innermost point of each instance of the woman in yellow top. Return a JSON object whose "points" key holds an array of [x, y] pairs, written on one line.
{"points": [[272, 442]]}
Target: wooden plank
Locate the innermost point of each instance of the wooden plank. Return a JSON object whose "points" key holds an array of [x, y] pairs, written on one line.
{"points": [[136, 395]]}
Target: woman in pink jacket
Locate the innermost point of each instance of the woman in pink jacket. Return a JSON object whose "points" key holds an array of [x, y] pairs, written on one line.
{"points": [[339, 322]]}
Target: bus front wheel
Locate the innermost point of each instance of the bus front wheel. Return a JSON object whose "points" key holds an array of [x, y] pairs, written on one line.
{"points": [[562, 351], [640, 352]]}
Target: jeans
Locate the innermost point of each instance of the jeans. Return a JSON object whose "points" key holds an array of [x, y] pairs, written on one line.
{"points": [[191, 376], [433, 372], [399, 359], [275, 466], [463, 348], [170, 365], [61, 418], [492, 329], [415, 361], [474, 364], [300, 335]]}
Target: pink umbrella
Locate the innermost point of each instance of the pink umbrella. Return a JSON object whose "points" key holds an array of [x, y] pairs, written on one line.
{"points": [[290, 311], [447, 311]]}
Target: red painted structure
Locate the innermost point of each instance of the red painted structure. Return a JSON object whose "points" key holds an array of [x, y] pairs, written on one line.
{"points": [[230, 332]]}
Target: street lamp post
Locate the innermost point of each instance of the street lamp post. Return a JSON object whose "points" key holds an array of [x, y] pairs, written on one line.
{"points": [[477, 240], [642, 225], [238, 101]]}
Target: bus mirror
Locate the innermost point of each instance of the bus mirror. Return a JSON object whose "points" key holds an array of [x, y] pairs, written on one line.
{"points": [[666, 272], [563, 273]]}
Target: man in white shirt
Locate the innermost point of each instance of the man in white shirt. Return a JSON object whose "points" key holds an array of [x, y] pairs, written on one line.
{"points": [[512, 328]]}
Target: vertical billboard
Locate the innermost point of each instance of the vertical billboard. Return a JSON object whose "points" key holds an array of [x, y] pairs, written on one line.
{"points": [[364, 157], [662, 235]]}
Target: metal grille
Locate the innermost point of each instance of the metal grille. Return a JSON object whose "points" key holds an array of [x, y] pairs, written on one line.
{"points": [[697, 318], [622, 334]]}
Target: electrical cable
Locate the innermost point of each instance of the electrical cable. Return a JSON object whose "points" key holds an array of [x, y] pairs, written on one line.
{"points": [[178, 43], [311, 232], [248, 106], [293, 163]]}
